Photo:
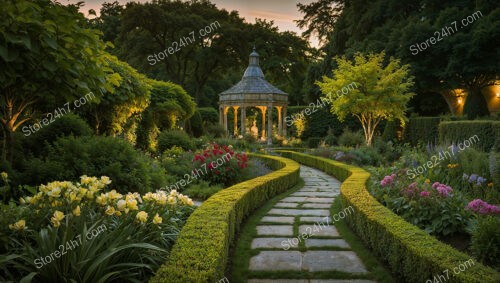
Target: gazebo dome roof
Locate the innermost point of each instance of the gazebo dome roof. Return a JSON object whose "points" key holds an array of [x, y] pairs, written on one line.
{"points": [[253, 81]]}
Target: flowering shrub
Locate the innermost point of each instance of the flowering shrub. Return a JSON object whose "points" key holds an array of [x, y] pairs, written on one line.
{"points": [[138, 232], [434, 208], [220, 165]]}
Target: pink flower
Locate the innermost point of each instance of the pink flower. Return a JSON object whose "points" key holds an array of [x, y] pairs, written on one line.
{"points": [[442, 189], [482, 207], [425, 193], [388, 180]]}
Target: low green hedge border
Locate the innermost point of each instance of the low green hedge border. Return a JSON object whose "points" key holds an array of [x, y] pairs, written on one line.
{"points": [[412, 254], [487, 131], [201, 251]]}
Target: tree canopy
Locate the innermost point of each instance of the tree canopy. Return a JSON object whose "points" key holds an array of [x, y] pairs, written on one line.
{"points": [[48, 57], [380, 92]]}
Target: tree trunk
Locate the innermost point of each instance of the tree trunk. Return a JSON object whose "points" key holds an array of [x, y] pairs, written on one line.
{"points": [[475, 105]]}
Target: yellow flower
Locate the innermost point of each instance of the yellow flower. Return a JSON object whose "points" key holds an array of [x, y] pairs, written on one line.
{"points": [[55, 192], [142, 216], [76, 211], [56, 218], [19, 225], [118, 213], [121, 204], [22, 201], [171, 200], [110, 210], [105, 180], [114, 195], [490, 184], [427, 181], [157, 219], [132, 204], [102, 199]]}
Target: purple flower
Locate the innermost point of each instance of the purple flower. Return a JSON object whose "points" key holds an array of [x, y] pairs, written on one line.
{"points": [[425, 193], [412, 185], [480, 181], [435, 185], [472, 178]]}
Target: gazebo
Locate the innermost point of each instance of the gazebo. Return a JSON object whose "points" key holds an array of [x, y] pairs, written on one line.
{"points": [[254, 91]]}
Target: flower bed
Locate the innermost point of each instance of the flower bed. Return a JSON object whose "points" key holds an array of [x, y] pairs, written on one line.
{"points": [[78, 232], [412, 254]]}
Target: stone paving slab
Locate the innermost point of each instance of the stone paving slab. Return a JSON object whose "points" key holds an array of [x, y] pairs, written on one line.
{"points": [[318, 189], [314, 194], [287, 204], [278, 219], [337, 243], [316, 219], [316, 205], [294, 199], [272, 243], [345, 261], [323, 230], [301, 212], [280, 230], [321, 200], [276, 260]]}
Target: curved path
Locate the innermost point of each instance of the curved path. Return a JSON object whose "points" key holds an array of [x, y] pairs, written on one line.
{"points": [[298, 236]]}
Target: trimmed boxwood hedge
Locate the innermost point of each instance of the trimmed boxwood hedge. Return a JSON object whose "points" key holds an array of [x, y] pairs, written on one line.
{"points": [[201, 251], [422, 130], [487, 131], [412, 254]]}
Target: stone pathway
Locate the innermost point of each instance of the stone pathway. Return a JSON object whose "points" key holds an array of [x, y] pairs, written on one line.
{"points": [[298, 235]]}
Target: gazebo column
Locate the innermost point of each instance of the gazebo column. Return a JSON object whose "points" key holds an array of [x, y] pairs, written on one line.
{"points": [[263, 109], [280, 121], [226, 109], [236, 120], [243, 119], [270, 124], [284, 121], [221, 115]]}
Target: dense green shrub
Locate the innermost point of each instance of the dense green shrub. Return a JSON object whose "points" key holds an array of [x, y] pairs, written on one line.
{"points": [[422, 130], [209, 115], [313, 142], [195, 125], [70, 124], [487, 132], [201, 252], [202, 190], [330, 138], [391, 131], [413, 254], [70, 157], [350, 138], [215, 130], [485, 241], [170, 138]]}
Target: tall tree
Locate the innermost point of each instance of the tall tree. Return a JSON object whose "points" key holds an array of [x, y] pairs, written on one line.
{"points": [[47, 57], [380, 92]]}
